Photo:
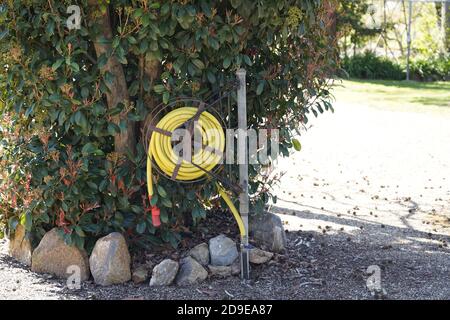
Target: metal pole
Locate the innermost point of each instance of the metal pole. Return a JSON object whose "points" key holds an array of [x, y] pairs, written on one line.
{"points": [[408, 39], [243, 169]]}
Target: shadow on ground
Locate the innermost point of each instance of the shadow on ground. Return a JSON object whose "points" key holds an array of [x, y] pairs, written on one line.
{"points": [[413, 263]]}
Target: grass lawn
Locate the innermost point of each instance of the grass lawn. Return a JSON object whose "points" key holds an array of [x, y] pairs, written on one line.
{"points": [[395, 95]]}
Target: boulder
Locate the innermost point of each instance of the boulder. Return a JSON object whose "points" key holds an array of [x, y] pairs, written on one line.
{"points": [[220, 271], [54, 256], [164, 273], [200, 253], [191, 272], [110, 260], [222, 250], [20, 246], [258, 256], [139, 274], [267, 230]]}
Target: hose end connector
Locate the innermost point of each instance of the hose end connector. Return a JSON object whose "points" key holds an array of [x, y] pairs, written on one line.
{"points": [[156, 213], [156, 216]]}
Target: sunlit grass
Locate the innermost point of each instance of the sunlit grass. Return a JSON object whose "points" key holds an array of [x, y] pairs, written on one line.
{"points": [[395, 95]]}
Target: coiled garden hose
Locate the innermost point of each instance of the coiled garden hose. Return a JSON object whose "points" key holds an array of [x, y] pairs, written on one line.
{"points": [[160, 149]]}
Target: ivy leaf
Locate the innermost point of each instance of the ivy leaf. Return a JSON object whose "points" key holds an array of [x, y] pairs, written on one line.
{"points": [[75, 67], [140, 227], [211, 77], [166, 202], [12, 223], [154, 200], [166, 96], [199, 64], [26, 220], [88, 149], [190, 195], [113, 129], [226, 63], [297, 145], [159, 88], [79, 231], [161, 191], [57, 64], [260, 88], [247, 60], [164, 216], [165, 9]]}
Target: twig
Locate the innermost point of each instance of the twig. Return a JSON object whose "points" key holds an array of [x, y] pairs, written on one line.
{"points": [[229, 294], [310, 282]]}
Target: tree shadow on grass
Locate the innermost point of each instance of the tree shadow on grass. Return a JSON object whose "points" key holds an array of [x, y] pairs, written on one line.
{"points": [[416, 85], [435, 101]]}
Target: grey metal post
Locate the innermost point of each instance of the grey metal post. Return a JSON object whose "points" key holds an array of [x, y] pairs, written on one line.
{"points": [[408, 39], [243, 169]]}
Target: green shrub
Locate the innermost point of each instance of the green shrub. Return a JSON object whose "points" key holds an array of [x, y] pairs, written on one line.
{"points": [[74, 103], [369, 66], [433, 69]]}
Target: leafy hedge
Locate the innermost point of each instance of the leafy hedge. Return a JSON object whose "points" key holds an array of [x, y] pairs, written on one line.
{"points": [[370, 66], [433, 69], [72, 155]]}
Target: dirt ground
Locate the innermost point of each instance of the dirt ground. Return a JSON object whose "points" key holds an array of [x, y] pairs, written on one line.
{"points": [[369, 188]]}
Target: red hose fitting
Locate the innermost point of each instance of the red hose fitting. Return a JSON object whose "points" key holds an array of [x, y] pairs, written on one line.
{"points": [[155, 216], [156, 221]]}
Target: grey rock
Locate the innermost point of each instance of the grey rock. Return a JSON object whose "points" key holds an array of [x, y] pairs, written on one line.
{"points": [[110, 260], [267, 230], [20, 246], [258, 256], [200, 253], [220, 271], [55, 257], [164, 273], [222, 250], [139, 274], [191, 272]]}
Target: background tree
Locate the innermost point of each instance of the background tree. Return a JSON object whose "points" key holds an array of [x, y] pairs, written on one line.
{"points": [[351, 23], [443, 12]]}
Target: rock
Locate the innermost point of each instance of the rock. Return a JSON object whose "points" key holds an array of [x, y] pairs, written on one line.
{"points": [[220, 271], [191, 272], [20, 246], [54, 256], [110, 260], [258, 256], [267, 230], [222, 250], [236, 268], [164, 273], [200, 253], [139, 275]]}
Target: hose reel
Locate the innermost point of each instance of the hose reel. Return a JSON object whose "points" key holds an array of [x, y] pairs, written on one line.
{"points": [[193, 117]]}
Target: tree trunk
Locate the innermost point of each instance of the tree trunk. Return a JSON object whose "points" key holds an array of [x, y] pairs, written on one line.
{"points": [[445, 25], [331, 7], [118, 90], [150, 69]]}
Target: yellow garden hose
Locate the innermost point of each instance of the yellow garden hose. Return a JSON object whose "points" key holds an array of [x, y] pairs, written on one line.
{"points": [[160, 150]]}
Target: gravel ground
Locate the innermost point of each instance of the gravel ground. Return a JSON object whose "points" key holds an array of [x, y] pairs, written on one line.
{"points": [[370, 189]]}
